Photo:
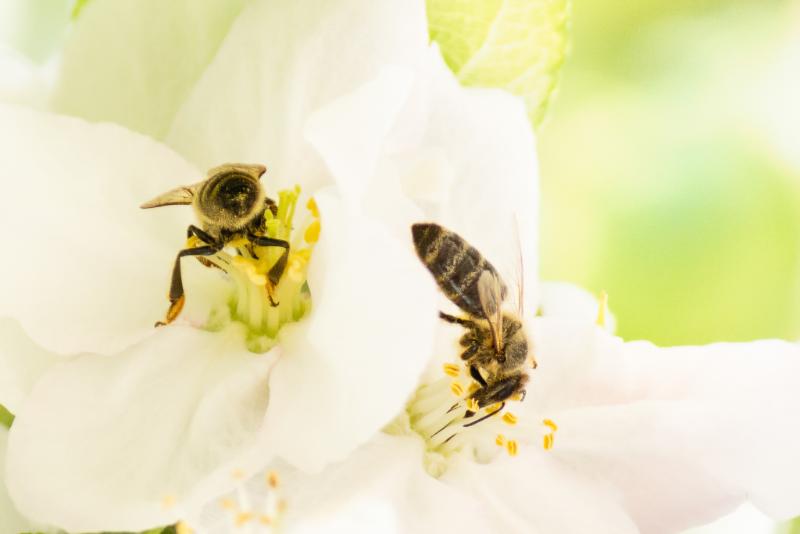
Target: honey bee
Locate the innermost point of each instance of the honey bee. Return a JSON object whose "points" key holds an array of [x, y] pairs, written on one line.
{"points": [[495, 345], [230, 205]]}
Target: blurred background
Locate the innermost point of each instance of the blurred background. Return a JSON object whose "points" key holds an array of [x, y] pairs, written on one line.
{"points": [[671, 167]]}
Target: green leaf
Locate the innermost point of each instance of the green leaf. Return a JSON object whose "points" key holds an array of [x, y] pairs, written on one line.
{"points": [[518, 45], [6, 417], [78, 7]]}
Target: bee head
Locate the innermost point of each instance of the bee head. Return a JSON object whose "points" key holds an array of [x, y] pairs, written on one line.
{"points": [[231, 196]]}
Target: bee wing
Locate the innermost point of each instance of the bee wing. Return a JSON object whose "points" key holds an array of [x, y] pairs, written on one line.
{"points": [[490, 293], [179, 196], [519, 275]]}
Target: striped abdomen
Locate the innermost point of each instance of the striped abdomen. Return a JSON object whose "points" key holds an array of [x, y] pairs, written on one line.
{"points": [[455, 264]]}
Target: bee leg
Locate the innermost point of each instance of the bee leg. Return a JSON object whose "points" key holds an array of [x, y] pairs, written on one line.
{"points": [[176, 295], [488, 415], [476, 375], [201, 234], [466, 323], [470, 351], [276, 271]]}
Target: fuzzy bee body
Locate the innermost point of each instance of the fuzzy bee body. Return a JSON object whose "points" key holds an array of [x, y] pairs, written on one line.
{"points": [[494, 344], [230, 205]]}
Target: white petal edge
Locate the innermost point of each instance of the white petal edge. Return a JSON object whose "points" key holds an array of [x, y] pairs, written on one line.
{"points": [[715, 421], [90, 270], [349, 368], [125, 442], [281, 62], [11, 520], [563, 300], [22, 363]]}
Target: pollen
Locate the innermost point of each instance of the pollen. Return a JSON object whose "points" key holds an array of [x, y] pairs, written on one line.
{"points": [[500, 440], [242, 518], [511, 447], [548, 442], [472, 405], [457, 389], [312, 207], [311, 234], [273, 480], [452, 369], [550, 424], [509, 418]]}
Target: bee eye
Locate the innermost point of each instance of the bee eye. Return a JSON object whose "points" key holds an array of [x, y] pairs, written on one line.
{"points": [[232, 196]]}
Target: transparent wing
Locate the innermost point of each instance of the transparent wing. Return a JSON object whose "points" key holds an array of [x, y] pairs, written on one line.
{"points": [[179, 196], [519, 275], [490, 293]]}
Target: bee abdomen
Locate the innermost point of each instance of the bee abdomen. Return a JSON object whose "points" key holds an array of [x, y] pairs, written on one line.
{"points": [[455, 264]]}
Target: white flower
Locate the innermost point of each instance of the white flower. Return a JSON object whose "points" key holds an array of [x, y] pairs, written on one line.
{"points": [[612, 437], [132, 424]]}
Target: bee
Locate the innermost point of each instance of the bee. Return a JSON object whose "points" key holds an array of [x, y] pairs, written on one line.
{"points": [[495, 345], [230, 205]]}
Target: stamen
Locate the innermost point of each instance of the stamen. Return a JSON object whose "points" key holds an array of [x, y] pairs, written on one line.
{"points": [[500, 440], [272, 479], [549, 423], [183, 528], [472, 405], [511, 447], [242, 518], [311, 234], [452, 369], [457, 389], [601, 311], [509, 418]]}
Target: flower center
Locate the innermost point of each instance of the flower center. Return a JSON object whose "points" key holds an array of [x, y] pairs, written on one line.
{"points": [[253, 507], [449, 420], [256, 302]]}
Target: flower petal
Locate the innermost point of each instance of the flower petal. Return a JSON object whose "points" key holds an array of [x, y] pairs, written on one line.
{"points": [[533, 493], [686, 433], [22, 362], [348, 368], [10, 519], [124, 442], [281, 62], [86, 269], [134, 61], [568, 301], [485, 150], [388, 469]]}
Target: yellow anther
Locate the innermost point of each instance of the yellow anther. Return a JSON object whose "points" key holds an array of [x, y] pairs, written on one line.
{"points": [[601, 311], [452, 369], [228, 504], [265, 519], [311, 234], [548, 442], [511, 447], [273, 480], [500, 440], [242, 518], [237, 474], [457, 389], [509, 418], [516, 397], [282, 506], [168, 501], [472, 405], [183, 528], [550, 424], [312, 207]]}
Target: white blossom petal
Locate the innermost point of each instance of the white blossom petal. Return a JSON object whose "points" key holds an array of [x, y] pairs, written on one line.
{"points": [[133, 62], [125, 442], [481, 150], [281, 62], [352, 363], [531, 493], [567, 301], [685, 433], [11, 520], [90, 270], [388, 468], [22, 363]]}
